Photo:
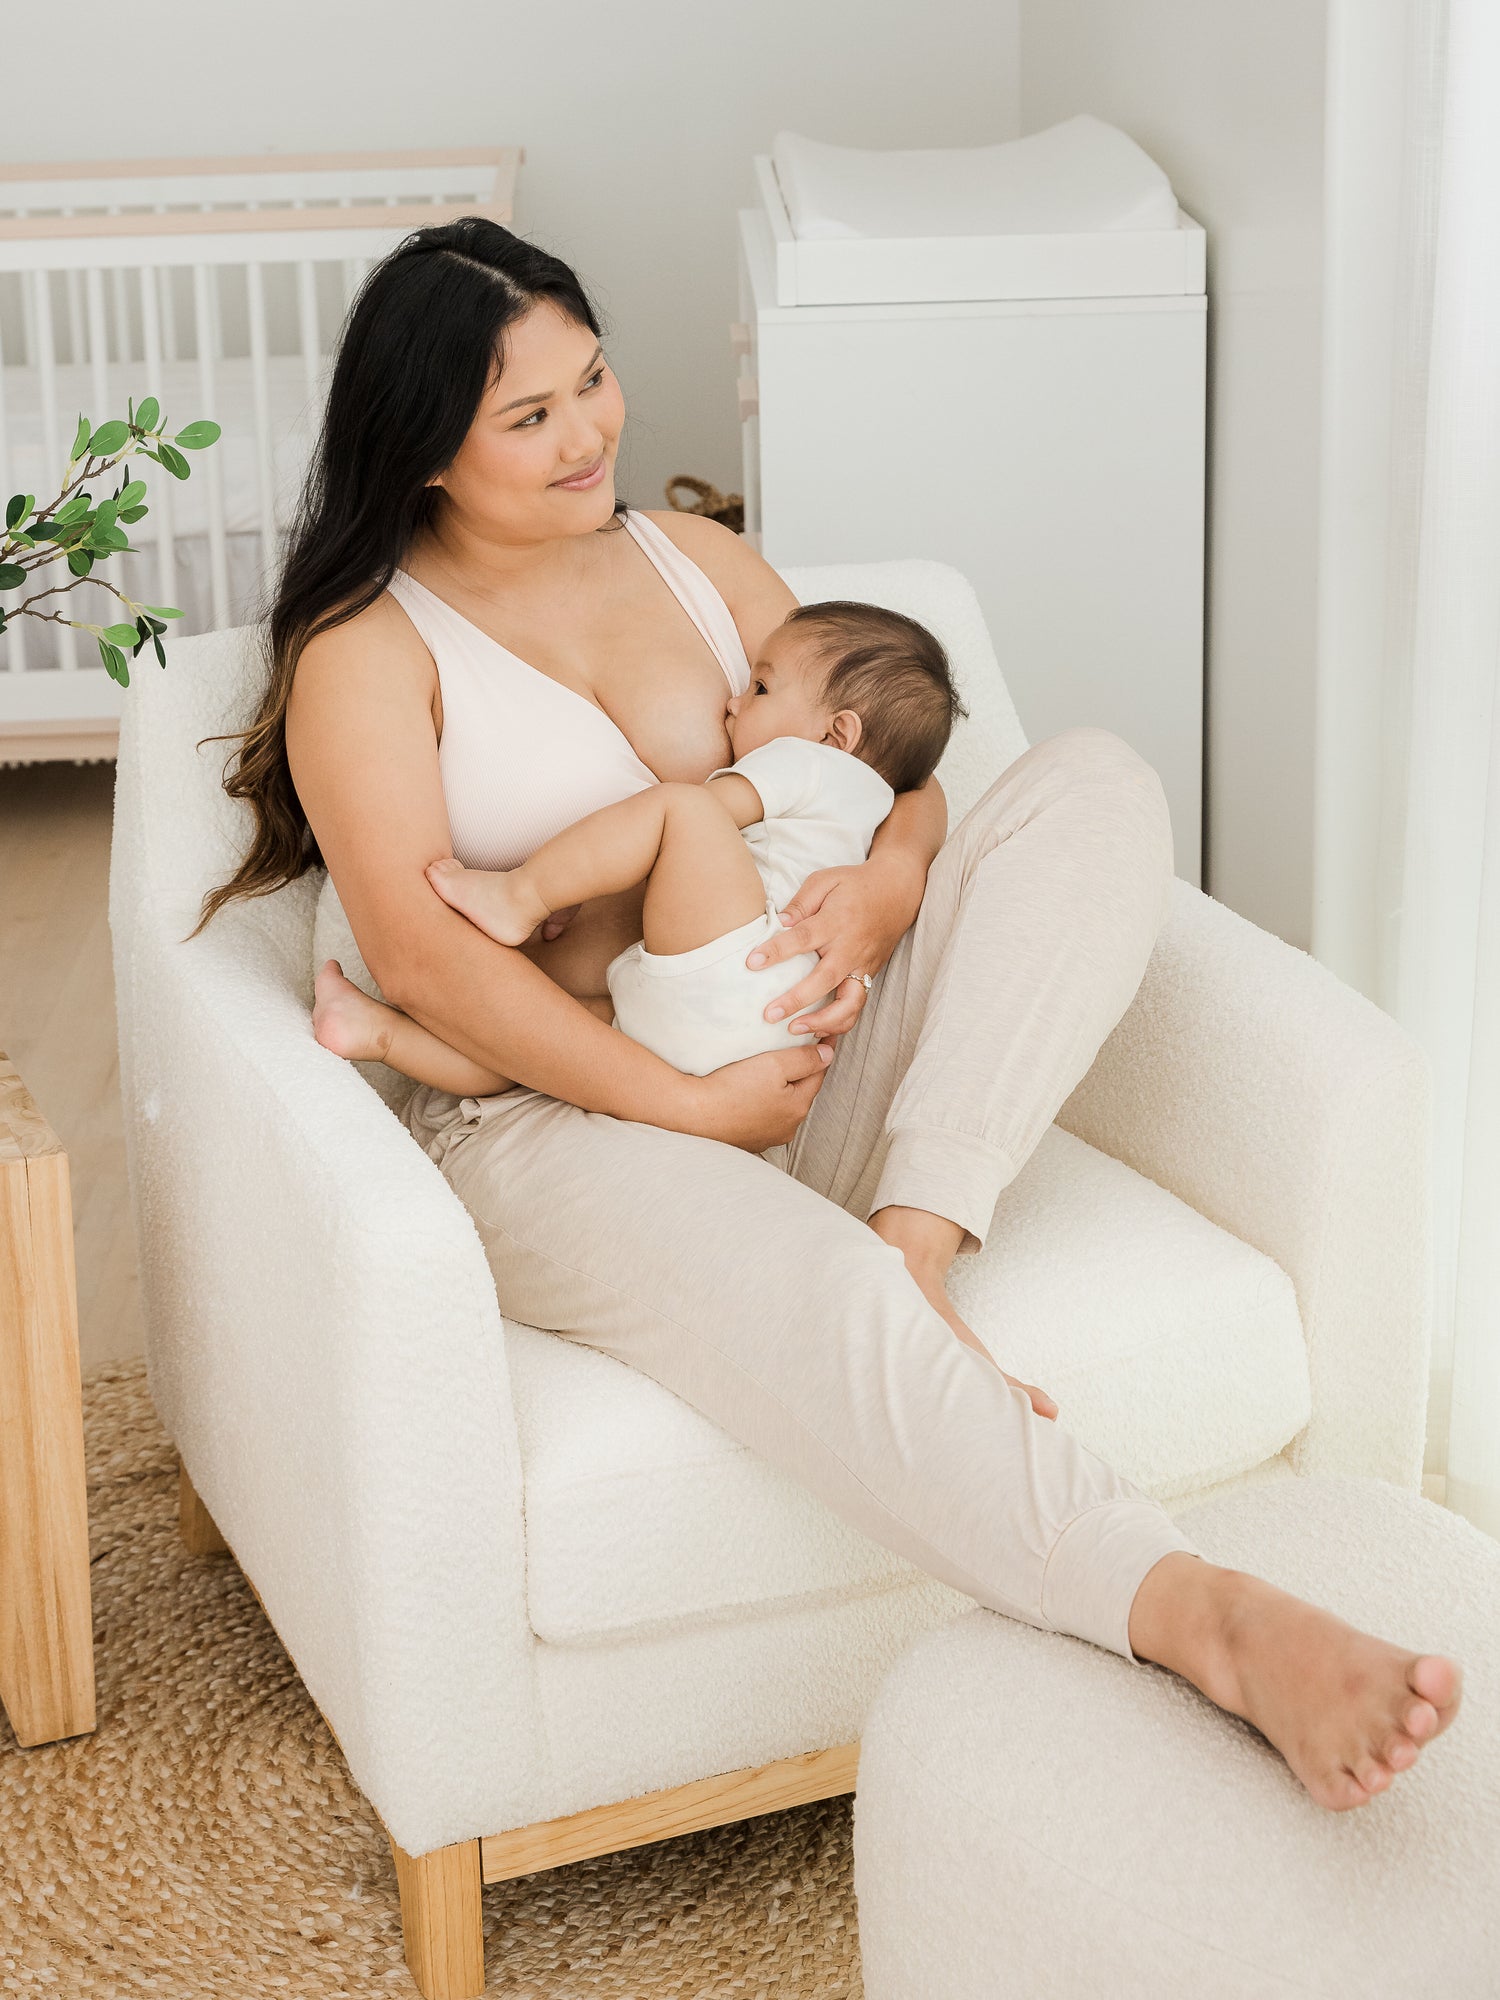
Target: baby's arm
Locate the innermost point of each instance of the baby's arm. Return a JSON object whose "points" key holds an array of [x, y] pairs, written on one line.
{"points": [[353, 1024], [738, 796]]}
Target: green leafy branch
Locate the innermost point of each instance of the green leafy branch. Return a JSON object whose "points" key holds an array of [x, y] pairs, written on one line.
{"points": [[76, 530]]}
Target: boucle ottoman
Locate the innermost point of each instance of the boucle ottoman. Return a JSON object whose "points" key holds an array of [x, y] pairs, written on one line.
{"points": [[1035, 1816]]}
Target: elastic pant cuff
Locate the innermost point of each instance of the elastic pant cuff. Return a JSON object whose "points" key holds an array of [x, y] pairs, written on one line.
{"points": [[953, 1174], [1099, 1562]]}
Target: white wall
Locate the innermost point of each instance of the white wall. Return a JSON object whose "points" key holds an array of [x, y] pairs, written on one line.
{"points": [[639, 122], [1230, 100]]}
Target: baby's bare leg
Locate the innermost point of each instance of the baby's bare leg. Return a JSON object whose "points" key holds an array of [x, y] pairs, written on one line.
{"points": [[351, 1024], [704, 881], [678, 839]]}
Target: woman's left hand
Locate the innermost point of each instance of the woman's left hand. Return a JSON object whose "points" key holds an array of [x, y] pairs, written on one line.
{"points": [[853, 918]]}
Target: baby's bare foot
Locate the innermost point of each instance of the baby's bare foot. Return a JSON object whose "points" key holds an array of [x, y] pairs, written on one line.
{"points": [[497, 900], [347, 1021], [1349, 1712]]}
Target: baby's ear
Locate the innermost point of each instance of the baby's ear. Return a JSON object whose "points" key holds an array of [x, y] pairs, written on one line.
{"points": [[845, 729]]}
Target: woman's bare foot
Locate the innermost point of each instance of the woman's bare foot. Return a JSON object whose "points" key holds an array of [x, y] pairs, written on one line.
{"points": [[498, 900], [936, 1295], [1349, 1712], [347, 1021], [928, 1243]]}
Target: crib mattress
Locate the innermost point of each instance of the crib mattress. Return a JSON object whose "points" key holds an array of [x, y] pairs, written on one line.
{"points": [[28, 466]]}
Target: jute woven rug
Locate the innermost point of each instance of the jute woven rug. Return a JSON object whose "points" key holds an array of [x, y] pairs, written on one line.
{"points": [[207, 1840]]}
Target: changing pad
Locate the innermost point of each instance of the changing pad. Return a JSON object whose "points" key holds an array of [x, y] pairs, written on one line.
{"points": [[1081, 175]]}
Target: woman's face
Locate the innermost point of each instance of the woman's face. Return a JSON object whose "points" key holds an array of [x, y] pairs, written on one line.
{"points": [[539, 457]]}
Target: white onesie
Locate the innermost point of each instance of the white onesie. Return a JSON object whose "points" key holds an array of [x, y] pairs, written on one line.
{"points": [[701, 1009]]}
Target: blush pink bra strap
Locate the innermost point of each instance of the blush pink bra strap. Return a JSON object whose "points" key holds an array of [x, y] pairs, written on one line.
{"points": [[697, 596]]}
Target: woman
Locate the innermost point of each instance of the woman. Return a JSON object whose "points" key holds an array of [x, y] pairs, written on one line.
{"points": [[472, 646]]}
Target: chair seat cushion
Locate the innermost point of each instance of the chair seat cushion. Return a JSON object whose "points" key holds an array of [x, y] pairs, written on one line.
{"points": [[1172, 1348], [1037, 1816]]}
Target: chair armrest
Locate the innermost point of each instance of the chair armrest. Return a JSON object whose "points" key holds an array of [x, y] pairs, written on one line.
{"points": [[325, 1348], [1274, 1099]]}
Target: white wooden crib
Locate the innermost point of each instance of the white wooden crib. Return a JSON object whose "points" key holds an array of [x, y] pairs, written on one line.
{"points": [[217, 286]]}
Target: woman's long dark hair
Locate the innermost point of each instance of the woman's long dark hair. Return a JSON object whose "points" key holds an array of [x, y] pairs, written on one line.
{"points": [[418, 349]]}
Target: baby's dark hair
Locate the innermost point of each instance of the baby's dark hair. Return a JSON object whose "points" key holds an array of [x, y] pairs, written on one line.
{"points": [[895, 676]]}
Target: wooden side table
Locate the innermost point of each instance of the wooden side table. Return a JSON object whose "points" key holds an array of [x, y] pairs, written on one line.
{"points": [[46, 1616]]}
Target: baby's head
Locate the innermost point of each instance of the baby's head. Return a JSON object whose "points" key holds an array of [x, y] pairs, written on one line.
{"points": [[859, 677]]}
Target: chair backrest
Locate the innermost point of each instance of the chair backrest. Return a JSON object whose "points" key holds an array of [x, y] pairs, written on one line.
{"points": [[177, 832], [941, 598]]}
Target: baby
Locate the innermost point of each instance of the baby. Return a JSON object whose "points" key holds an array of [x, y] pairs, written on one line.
{"points": [[847, 705]]}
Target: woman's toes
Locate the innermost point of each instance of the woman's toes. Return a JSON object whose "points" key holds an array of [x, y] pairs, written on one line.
{"points": [[1437, 1680], [1372, 1774], [1340, 1791], [1420, 1720], [1041, 1402], [1399, 1752]]}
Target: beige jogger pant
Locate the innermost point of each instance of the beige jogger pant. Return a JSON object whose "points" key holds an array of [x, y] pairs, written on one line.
{"points": [[750, 1285]]}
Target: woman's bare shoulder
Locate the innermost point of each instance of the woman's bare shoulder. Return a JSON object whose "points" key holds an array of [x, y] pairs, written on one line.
{"points": [[757, 597], [362, 685], [376, 641]]}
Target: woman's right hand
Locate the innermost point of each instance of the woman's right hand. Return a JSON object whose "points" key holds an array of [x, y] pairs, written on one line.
{"points": [[759, 1101]]}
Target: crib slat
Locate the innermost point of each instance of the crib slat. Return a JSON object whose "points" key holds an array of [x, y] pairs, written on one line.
{"points": [[28, 338], [14, 640], [120, 300], [55, 445], [260, 384], [307, 326], [76, 348], [205, 315], [356, 270], [161, 486], [73, 295], [45, 360], [98, 346], [168, 280]]}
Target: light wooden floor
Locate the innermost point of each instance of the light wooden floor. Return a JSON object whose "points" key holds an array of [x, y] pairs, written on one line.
{"points": [[57, 1018]]}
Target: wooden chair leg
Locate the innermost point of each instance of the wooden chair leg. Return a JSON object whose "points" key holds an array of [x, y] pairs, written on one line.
{"points": [[195, 1521], [442, 1921], [46, 1621]]}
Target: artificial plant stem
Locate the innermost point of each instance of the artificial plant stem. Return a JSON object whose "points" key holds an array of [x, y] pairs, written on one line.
{"points": [[61, 590]]}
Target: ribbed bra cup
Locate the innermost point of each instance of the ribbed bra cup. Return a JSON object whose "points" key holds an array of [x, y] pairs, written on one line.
{"points": [[522, 756]]}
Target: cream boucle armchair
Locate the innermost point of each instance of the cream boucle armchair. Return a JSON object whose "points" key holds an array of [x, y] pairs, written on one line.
{"points": [[548, 1609]]}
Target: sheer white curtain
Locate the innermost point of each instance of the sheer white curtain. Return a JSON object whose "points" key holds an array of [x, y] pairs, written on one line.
{"points": [[1445, 980], [1417, 740]]}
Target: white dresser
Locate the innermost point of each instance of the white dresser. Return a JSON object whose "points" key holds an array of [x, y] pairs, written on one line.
{"points": [[1045, 437]]}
